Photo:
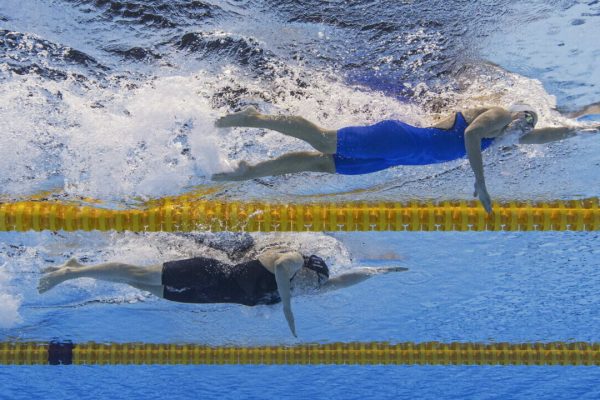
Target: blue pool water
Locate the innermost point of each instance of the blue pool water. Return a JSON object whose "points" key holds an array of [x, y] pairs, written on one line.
{"points": [[115, 100], [320, 382], [511, 287]]}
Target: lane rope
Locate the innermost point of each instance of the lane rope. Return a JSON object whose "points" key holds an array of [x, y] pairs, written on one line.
{"points": [[356, 353], [182, 214]]}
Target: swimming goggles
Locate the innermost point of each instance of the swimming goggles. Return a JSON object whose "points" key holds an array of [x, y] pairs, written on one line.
{"points": [[529, 118]]}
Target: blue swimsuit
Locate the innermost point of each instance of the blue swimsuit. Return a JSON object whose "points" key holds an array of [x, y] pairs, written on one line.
{"points": [[365, 149]]}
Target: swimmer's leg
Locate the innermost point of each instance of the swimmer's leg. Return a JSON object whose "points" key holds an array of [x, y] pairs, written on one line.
{"points": [[136, 276], [286, 164], [323, 140]]}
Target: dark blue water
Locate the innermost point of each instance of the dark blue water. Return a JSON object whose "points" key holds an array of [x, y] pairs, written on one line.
{"points": [[318, 382]]}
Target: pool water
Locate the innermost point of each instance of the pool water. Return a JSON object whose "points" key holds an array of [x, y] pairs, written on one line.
{"points": [[115, 101]]}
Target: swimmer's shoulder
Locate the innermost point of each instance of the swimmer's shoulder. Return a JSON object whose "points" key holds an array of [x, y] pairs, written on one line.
{"points": [[270, 257], [471, 114]]}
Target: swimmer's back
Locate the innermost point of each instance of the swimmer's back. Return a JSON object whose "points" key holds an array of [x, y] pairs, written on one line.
{"points": [[394, 142], [206, 280]]}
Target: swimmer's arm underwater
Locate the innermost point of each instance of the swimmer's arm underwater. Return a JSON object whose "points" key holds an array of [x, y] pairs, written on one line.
{"points": [[285, 266], [357, 275], [487, 125], [548, 135], [554, 134]]}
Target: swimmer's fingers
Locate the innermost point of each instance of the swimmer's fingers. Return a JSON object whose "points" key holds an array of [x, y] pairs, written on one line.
{"points": [[386, 270], [592, 130], [486, 201], [484, 197]]}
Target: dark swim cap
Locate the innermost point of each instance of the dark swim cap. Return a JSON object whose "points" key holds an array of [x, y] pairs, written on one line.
{"points": [[317, 264]]}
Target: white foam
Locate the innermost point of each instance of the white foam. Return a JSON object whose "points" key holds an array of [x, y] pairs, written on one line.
{"points": [[9, 304], [32, 127], [134, 146], [108, 142]]}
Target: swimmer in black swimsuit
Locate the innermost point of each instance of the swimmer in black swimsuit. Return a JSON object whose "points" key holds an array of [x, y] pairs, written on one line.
{"points": [[268, 279]]}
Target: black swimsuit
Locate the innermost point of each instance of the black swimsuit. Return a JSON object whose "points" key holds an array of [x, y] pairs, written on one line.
{"points": [[205, 280]]}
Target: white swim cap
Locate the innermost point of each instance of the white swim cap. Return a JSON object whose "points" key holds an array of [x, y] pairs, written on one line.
{"points": [[523, 107], [518, 127]]}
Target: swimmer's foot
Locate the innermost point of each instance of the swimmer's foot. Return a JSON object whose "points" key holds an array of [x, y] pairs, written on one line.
{"points": [[71, 263], [243, 118], [56, 275], [47, 270], [238, 174], [49, 280]]}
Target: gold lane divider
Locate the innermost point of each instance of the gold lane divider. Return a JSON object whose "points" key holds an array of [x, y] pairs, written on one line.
{"points": [[170, 215], [369, 353]]}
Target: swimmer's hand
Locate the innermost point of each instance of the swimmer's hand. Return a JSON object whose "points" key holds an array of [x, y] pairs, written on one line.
{"points": [[290, 320], [387, 270], [484, 197], [357, 275], [591, 129]]}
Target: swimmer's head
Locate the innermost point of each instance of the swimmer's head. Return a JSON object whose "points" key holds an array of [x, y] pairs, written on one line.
{"points": [[524, 119], [318, 266], [524, 113]]}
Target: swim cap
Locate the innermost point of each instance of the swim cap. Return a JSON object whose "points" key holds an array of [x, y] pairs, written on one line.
{"points": [[522, 107], [318, 265]]}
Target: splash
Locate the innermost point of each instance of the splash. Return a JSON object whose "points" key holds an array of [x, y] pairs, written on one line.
{"points": [[9, 303], [109, 143]]}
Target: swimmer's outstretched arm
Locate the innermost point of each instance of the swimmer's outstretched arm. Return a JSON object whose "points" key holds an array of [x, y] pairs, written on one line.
{"points": [[554, 134], [357, 275], [486, 125], [548, 135]]}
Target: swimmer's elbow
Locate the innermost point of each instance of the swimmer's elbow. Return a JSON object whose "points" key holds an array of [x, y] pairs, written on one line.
{"points": [[473, 134]]}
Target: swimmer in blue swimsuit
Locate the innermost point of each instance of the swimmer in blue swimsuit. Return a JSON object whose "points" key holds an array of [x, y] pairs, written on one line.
{"points": [[364, 149], [266, 279]]}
